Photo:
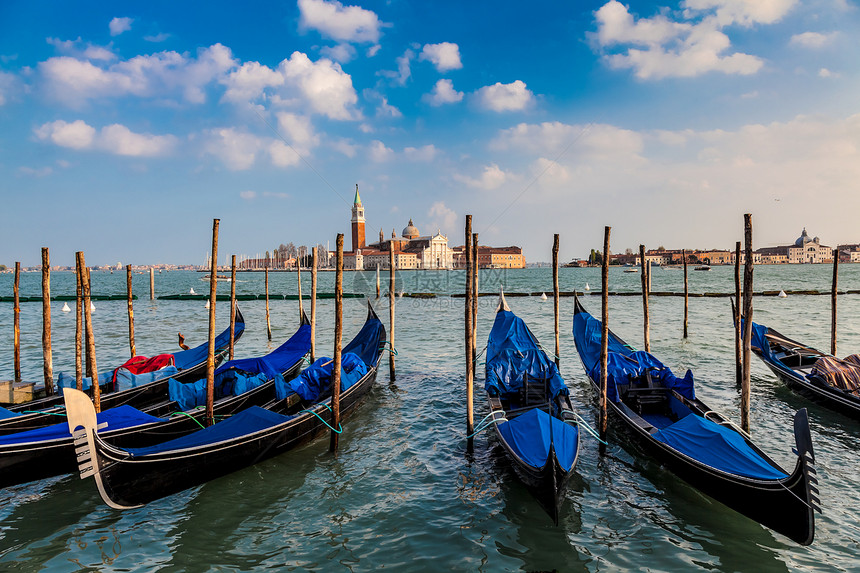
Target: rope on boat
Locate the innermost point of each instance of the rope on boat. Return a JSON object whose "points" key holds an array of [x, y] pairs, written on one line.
{"points": [[387, 346], [190, 416], [340, 431], [42, 412], [589, 429], [306, 359], [484, 423], [727, 422]]}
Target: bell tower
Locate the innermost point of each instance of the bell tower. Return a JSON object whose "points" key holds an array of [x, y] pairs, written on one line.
{"points": [[357, 222]]}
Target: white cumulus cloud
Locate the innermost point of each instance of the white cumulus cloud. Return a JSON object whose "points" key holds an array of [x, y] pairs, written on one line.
{"points": [[379, 152], [443, 93], [339, 22], [116, 139], [659, 47], [326, 88], [119, 25], [445, 56], [442, 217], [425, 153], [812, 39], [501, 97], [248, 82], [491, 178]]}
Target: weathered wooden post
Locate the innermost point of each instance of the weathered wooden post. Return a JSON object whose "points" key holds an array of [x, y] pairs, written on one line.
{"points": [[604, 337], [130, 310], [739, 358], [232, 305], [646, 319], [151, 283], [47, 357], [338, 335], [79, 376], [391, 298], [748, 316], [475, 269], [833, 302], [555, 297], [313, 303], [470, 365], [86, 288], [210, 358], [268, 321], [16, 320], [377, 281], [686, 293], [299, 281]]}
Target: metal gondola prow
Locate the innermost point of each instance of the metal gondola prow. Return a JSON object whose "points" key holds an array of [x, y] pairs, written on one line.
{"points": [[503, 304]]}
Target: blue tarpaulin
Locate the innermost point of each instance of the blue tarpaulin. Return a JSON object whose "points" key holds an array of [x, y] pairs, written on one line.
{"points": [[528, 435], [315, 381], [759, 339], [718, 447], [512, 354], [623, 364], [193, 356], [236, 377], [119, 417], [247, 421], [4, 413], [126, 380], [367, 342], [68, 381]]}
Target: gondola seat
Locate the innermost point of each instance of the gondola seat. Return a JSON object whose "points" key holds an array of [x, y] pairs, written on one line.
{"points": [[837, 373]]}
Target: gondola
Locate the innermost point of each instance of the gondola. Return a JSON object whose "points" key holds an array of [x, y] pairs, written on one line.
{"points": [[128, 478], [138, 391], [698, 445], [49, 451], [818, 376], [530, 409]]}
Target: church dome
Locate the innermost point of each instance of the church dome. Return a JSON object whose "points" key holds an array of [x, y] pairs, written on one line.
{"points": [[802, 239], [410, 232]]}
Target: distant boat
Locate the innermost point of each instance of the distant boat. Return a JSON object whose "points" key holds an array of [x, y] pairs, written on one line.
{"points": [[702, 268], [66, 307], [631, 270]]}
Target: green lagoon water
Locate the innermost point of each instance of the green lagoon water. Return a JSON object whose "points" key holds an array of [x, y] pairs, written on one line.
{"points": [[402, 494]]}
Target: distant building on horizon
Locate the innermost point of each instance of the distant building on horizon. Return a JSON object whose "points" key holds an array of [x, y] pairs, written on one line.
{"points": [[804, 250]]}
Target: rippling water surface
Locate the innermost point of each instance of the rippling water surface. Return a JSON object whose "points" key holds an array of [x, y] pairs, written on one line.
{"points": [[402, 493]]}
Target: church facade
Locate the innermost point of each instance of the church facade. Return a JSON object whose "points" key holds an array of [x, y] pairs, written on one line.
{"points": [[411, 249]]}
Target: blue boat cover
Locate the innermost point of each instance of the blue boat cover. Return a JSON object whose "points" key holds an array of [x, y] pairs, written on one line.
{"points": [[528, 435], [277, 361], [759, 339], [315, 381], [4, 413], [368, 342], [623, 363], [718, 447], [236, 377], [245, 422], [119, 417], [68, 381], [187, 358], [512, 354], [125, 379]]}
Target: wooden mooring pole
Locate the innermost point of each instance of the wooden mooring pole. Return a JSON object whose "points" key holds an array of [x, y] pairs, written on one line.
{"points": [[470, 365], [313, 303], [475, 269], [130, 310], [16, 320], [391, 298], [299, 286], [232, 306], [210, 357], [833, 302], [739, 357], [92, 367], [686, 293], [47, 357], [338, 335], [151, 283], [646, 323], [268, 321], [555, 297], [748, 317], [604, 336], [79, 331]]}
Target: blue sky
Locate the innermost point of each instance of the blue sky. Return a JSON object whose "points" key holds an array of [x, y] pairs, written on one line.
{"points": [[127, 127]]}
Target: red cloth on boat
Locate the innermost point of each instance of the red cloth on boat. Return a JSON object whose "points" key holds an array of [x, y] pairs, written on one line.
{"points": [[141, 364]]}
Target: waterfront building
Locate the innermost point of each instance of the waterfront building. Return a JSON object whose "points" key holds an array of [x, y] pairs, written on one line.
{"points": [[804, 250], [492, 257]]}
